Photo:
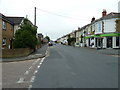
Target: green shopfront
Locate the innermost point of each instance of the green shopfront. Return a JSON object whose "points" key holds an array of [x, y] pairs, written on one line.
{"points": [[110, 40]]}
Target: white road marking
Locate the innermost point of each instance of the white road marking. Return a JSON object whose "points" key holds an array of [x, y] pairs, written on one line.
{"points": [[35, 72], [40, 63], [42, 59], [32, 79], [38, 66], [46, 52], [30, 86], [20, 80], [30, 67], [26, 73]]}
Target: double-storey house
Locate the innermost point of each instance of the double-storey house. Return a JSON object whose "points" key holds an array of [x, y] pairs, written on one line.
{"points": [[6, 31], [104, 32]]}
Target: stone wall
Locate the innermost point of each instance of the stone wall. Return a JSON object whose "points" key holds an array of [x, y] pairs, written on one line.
{"points": [[8, 53]]}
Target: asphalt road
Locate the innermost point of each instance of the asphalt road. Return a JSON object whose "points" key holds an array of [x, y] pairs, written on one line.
{"points": [[72, 67], [18, 74]]}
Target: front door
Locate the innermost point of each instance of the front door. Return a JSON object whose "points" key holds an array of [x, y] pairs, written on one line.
{"points": [[109, 42]]}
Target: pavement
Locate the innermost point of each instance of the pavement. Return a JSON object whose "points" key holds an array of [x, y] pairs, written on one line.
{"points": [[39, 53], [108, 51]]}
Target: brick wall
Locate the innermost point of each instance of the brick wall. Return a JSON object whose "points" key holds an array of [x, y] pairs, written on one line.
{"points": [[6, 53]]}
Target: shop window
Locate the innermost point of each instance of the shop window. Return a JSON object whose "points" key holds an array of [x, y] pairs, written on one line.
{"points": [[117, 41]]}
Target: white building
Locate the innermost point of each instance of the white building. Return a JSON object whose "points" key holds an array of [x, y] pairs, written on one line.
{"points": [[106, 34]]}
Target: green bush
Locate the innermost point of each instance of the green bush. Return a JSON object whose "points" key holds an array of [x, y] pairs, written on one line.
{"points": [[25, 37]]}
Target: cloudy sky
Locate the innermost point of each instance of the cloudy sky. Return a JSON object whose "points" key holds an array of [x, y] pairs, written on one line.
{"points": [[56, 18]]}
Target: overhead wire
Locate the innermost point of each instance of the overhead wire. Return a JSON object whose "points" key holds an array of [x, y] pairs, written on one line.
{"points": [[64, 16]]}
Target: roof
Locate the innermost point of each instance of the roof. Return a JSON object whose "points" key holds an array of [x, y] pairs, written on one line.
{"points": [[12, 20], [108, 16], [15, 20], [112, 15], [5, 18]]}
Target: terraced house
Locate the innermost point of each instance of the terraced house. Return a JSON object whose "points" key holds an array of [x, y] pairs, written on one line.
{"points": [[104, 32]]}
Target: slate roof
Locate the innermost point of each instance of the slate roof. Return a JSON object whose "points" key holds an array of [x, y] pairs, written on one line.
{"points": [[108, 16], [12, 20], [15, 20], [5, 18]]}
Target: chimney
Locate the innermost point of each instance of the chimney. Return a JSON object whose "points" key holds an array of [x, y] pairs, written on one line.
{"points": [[104, 13], [93, 19]]}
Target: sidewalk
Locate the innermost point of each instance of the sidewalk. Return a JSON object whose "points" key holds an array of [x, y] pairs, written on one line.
{"points": [[39, 53], [105, 51], [109, 51]]}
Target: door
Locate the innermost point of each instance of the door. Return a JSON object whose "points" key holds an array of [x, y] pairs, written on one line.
{"points": [[109, 42]]}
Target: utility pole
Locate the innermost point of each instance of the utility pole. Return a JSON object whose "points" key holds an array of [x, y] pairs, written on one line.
{"points": [[35, 17]]}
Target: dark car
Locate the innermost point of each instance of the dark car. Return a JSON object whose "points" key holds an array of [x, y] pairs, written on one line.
{"points": [[50, 44]]}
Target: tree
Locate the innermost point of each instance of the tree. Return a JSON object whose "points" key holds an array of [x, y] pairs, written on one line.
{"points": [[48, 38], [25, 37], [71, 40]]}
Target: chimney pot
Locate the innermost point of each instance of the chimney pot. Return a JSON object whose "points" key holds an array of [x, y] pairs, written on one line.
{"points": [[93, 19], [104, 13]]}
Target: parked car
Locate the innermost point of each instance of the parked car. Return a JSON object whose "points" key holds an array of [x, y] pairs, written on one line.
{"points": [[50, 44]]}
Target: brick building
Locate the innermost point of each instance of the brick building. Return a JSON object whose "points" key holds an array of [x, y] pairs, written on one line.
{"points": [[8, 27]]}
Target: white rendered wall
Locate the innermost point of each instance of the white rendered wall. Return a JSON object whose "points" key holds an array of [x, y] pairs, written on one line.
{"points": [[109, 25], [98, 27]]}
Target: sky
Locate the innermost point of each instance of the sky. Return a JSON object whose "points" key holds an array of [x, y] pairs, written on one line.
{"points": [[56, 18]]}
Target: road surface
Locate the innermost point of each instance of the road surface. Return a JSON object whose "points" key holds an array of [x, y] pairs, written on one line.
{"points": [[72, 67]]}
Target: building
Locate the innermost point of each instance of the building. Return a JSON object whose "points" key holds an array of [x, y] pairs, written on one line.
{"points": [[100, 33], [8, 27], [7, 32], [16, 21], [104, 32]]}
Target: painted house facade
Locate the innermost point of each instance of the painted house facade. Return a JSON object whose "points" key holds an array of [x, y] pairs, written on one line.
{"points": [[104, 32]]}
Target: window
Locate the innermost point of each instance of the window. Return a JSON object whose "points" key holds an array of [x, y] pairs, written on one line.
{"points": [[11, 27], [4, 25], [117, 41], [4, 41], [99, 27]]}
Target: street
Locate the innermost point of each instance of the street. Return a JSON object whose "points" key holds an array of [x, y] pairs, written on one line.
{"points": [[72, 67], [63, 67]]}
